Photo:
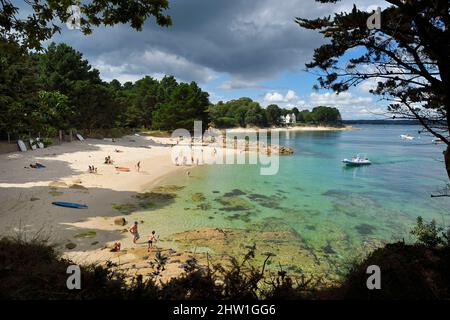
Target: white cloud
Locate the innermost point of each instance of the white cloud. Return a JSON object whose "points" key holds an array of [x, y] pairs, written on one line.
{"points": [[276, 97], [342, 99], [153, 62], [350, 106]]}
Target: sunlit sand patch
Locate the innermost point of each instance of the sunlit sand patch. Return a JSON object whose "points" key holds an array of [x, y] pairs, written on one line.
{"points": [[54, 192], [57, 184]]}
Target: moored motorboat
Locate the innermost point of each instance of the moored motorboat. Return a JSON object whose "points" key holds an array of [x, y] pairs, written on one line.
{"points": [[437, 141], [358, 160], [407, 137]]}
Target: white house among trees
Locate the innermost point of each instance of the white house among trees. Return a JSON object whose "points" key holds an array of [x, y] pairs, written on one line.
{"points": [[288, 119]]}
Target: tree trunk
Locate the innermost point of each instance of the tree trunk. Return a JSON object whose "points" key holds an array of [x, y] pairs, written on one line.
{"points": [[447, 160]]}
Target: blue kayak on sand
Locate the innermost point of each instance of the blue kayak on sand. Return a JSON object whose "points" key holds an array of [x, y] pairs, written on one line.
{"points": [[70, 205]]}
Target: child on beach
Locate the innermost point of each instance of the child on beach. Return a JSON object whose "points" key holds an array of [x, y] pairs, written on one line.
{"points": [[134, 231], [151, 238], [116, 247]]}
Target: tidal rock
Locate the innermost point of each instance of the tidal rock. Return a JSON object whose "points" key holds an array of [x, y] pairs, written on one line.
{"points": [[120, 221]]}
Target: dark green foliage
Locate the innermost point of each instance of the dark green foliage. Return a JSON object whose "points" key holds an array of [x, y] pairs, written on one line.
{"points": [[273, 115], [407, 272], [181, 105], [39, 21], [245, 112], [241, 112], [32, 270], [42, 93], [19, 86], [59, 90], [429, 234], [327, 115]]}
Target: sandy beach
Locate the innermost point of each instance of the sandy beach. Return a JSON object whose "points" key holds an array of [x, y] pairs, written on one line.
{"points": [[86, 235], [26, 193]]}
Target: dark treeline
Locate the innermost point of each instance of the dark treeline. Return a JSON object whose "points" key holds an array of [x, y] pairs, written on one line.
{"points": [[59, 90], [245, 112]]}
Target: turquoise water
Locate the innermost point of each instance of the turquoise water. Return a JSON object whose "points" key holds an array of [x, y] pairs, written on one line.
{"points": [[328, 213]]}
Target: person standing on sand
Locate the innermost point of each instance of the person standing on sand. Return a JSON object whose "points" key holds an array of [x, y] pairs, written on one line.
{"points": [[134, 231], [151, 238], [138, 166]]}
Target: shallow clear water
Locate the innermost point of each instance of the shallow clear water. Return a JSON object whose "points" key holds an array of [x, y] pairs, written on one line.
{"points": [[334, 211]]}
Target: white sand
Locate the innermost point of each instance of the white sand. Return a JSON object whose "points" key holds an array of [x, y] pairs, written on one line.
{"points": [[26, 194]]}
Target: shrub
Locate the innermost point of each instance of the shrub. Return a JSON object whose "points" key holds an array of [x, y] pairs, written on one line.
{"points": [[428, 234]]}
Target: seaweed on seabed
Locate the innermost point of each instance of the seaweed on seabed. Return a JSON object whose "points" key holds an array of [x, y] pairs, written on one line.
{"points": [[234, 192], [328, 249], [155, 199], [365, 229], [204, 206], [272, 202], [168, 188], [245, 217], [198, 197], [234, 203], [125, 208]]}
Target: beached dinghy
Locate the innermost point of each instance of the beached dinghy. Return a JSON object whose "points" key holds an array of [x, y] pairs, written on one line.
{"points": [[359, 160], [33, 144], [70, 205], [39, 143], [22, 145]]}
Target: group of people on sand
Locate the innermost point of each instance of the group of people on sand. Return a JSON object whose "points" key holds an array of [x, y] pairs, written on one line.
{"points": [[92, 169], [182, 160], [151, 238], [108, 160]]}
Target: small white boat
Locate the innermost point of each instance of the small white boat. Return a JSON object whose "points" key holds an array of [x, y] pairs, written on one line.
{"points": [[437, 141], [406, 137], [358, 160]]}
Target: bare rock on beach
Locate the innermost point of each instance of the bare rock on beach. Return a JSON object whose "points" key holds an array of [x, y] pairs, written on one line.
{"points": [[56, 184], [120, 221], [78, 186]]}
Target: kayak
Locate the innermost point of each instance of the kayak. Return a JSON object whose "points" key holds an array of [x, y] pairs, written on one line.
{"points": [[125, 169], [70, 205]]}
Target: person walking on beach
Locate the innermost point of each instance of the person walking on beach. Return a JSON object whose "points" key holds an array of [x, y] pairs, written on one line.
{"points": [[151, 238], [134, 231], [138, 166]]}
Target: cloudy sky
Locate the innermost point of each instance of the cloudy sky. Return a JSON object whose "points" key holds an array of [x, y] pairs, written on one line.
{"points": [[232, 48]]}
